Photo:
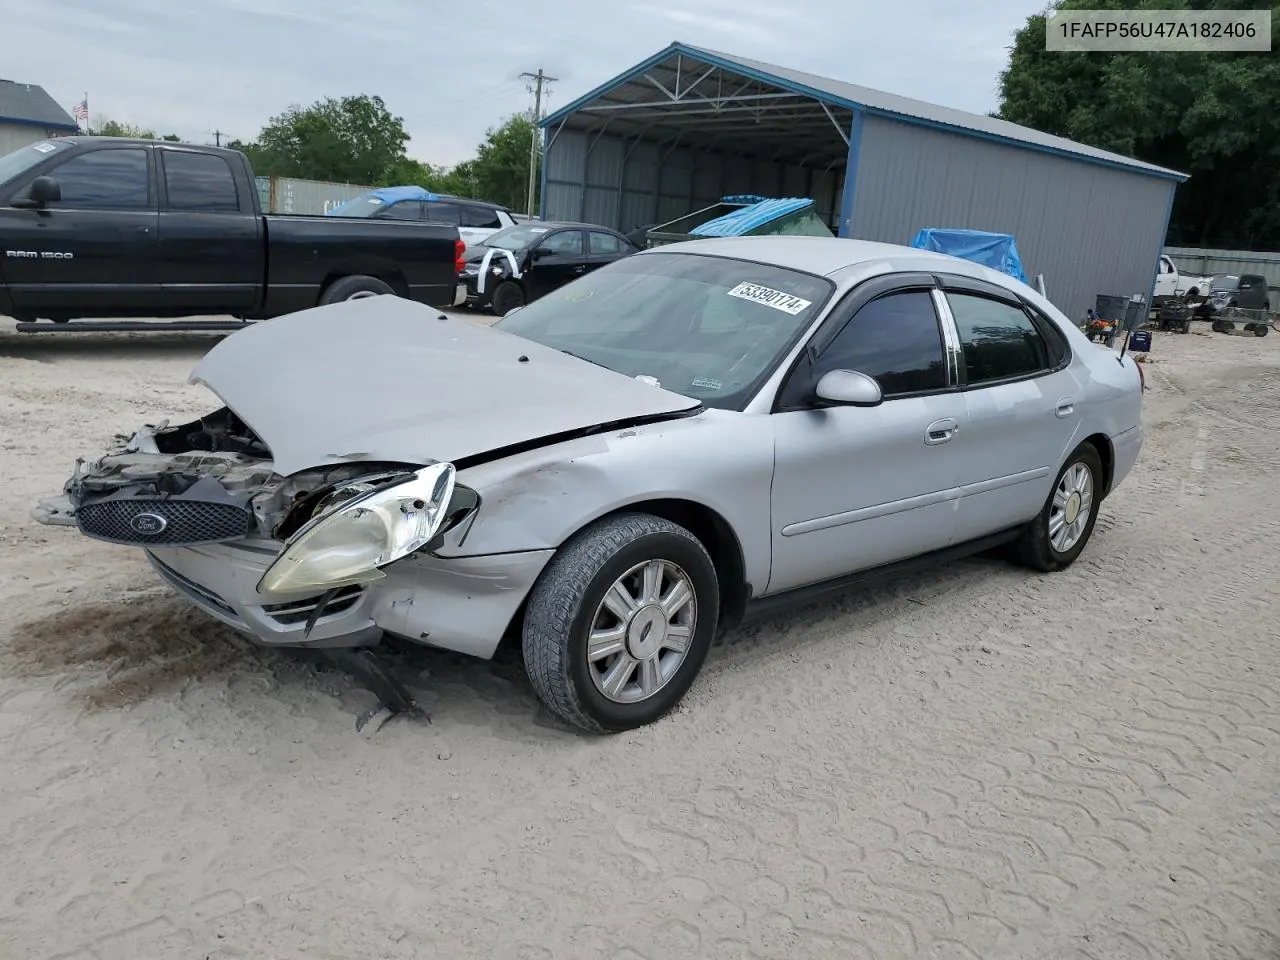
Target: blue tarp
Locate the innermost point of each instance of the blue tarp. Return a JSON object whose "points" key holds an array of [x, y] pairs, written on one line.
{"points": [[995, 250], [741, 222]]}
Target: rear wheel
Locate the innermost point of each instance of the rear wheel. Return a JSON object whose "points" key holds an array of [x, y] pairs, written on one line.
{"points": [[354, 288], [620, 622], [1259, 329], [507, 297], [1058, 535]]}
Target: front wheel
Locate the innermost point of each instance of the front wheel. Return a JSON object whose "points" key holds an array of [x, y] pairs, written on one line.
{"points": [[1259, 329], [1058, 535], [619, 623], [507, 297]]}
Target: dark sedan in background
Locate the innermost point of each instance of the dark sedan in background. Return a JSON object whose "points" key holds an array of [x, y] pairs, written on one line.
{"points": [[528, 261]]}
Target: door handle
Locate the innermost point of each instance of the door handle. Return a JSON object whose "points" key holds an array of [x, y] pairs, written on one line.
{"points": [[940, 431], [1066, 407]]}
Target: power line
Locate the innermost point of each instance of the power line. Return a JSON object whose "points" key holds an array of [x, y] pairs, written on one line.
{"points": [[538, 79]]}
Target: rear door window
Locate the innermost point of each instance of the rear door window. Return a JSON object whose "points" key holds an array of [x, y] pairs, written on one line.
{"points": [[199, 181], [480, 217], [439, 212], [998, 340]]}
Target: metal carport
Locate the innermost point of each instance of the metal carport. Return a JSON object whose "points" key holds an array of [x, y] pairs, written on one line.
{"points": [[688, 126]]}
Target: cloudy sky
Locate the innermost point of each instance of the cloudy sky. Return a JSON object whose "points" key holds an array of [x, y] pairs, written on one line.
{"points": [[452, 69]]}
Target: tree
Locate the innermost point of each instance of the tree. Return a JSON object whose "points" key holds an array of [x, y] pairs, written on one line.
{"points": [[114, 128], [351, 140], [500, 170], [1215, 116]]}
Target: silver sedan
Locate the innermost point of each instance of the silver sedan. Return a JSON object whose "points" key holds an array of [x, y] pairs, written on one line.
{"points": [[612, 474]]}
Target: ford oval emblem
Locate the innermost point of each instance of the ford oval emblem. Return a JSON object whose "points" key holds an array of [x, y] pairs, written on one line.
{"points": [[148, 524]]}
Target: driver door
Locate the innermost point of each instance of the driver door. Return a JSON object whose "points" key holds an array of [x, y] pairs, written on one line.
{"points": [[557, 258], [859, 487]]}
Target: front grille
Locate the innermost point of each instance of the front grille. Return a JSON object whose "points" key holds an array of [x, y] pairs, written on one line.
{"points": [[162, 523], [299, 611]]}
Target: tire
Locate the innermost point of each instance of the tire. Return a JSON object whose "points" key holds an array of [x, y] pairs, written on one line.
{"points": [[1036, 547], [506, 297], [568, 602], [353, 288], [1217, 327], [1259, 329]]}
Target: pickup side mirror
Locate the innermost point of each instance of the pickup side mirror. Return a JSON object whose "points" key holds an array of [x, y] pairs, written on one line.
{"points": [[849, 388], [45, 190], [537, 253], [42, 192]]}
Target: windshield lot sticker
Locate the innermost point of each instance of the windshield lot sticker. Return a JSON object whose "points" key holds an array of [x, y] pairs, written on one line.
{"points": [[769, 297], [707, 383], [44, 147]]}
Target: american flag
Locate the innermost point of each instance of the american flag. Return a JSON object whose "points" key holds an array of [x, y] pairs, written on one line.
{"points": [[81, 110]]}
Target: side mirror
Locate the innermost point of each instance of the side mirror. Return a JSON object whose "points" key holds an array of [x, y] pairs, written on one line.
{"points": [[537, 253], [45, 190], [849, 388]]}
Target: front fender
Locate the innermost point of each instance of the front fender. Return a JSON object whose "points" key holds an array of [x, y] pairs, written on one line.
{"points": [[719, 460]]}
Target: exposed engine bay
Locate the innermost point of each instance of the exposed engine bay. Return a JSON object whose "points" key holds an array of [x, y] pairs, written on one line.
{"points": [[207, 481]]}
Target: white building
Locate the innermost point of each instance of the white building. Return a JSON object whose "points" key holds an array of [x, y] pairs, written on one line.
{"points": [[28, 114]]}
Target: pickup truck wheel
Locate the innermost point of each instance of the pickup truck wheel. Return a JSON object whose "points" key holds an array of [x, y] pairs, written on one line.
{"points": [[1054, 539], [620, 621], [353, 288], [507, 297]]}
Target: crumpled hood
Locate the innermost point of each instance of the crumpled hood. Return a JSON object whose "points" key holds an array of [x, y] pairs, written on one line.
{"points": [[388, 379]]}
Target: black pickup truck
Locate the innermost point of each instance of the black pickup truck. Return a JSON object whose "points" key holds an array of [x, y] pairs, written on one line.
{"points": [[107, 227]]}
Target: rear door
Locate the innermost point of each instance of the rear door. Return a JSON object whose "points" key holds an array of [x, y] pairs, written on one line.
{"points": [[92, 253], [211, 254], [556, 259], [1021, 405]]}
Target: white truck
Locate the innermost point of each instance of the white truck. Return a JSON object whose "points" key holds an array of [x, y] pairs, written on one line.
{"points": [[1171, 283]]}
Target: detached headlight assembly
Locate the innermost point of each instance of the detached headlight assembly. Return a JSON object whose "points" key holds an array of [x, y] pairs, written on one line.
{"points": [[349, 542]]}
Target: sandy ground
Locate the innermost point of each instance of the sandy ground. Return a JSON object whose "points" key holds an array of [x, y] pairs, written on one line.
{"points": [[977, 763]]}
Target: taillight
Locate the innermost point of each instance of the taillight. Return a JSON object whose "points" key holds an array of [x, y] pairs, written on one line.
{"points": [[459, 258]]}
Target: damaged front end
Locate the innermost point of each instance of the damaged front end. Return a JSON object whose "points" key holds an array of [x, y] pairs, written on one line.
{"points": [[204, 500]]}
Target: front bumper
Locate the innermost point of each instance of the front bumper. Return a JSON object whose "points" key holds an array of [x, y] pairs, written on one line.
{"points": [[463, 604], [471, 297]]}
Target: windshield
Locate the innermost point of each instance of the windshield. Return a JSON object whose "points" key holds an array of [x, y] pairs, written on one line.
{"points": [[24, 158], [710, 328], [519, 237], [365, 205], [1225, 281]]}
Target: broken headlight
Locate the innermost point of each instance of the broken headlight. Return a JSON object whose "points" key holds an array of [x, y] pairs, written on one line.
{"points": [[361, 531]]}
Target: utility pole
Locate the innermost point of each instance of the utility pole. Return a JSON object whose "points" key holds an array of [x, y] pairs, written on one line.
{"points": [[217, 137], [538, 79]]}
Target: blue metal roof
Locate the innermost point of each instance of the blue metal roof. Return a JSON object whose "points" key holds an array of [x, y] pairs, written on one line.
{"points": [[876, 103], [741, 222]]}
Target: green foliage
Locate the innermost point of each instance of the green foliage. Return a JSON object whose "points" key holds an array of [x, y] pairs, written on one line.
{"points": [[351, 140], [1215, 116], [114, 128]]}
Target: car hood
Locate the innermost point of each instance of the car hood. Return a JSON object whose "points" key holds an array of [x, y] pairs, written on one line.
{"points": [[386, 379], [476, 253]]}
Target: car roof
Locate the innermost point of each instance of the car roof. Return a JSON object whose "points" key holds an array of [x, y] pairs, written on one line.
{"points": [[557, 224], [396, 194], [826, 255]]}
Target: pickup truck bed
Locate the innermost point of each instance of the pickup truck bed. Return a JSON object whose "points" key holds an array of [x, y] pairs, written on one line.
{"points": [[106, 227]]}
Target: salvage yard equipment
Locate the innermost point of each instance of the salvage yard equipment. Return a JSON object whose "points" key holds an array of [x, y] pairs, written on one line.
{"points": [[1256, 322]]}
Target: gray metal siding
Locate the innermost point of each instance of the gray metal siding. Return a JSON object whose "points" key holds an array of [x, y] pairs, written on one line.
{"points": [[1088, 229], [1198, 261], [627, 183], [16, 135]]}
